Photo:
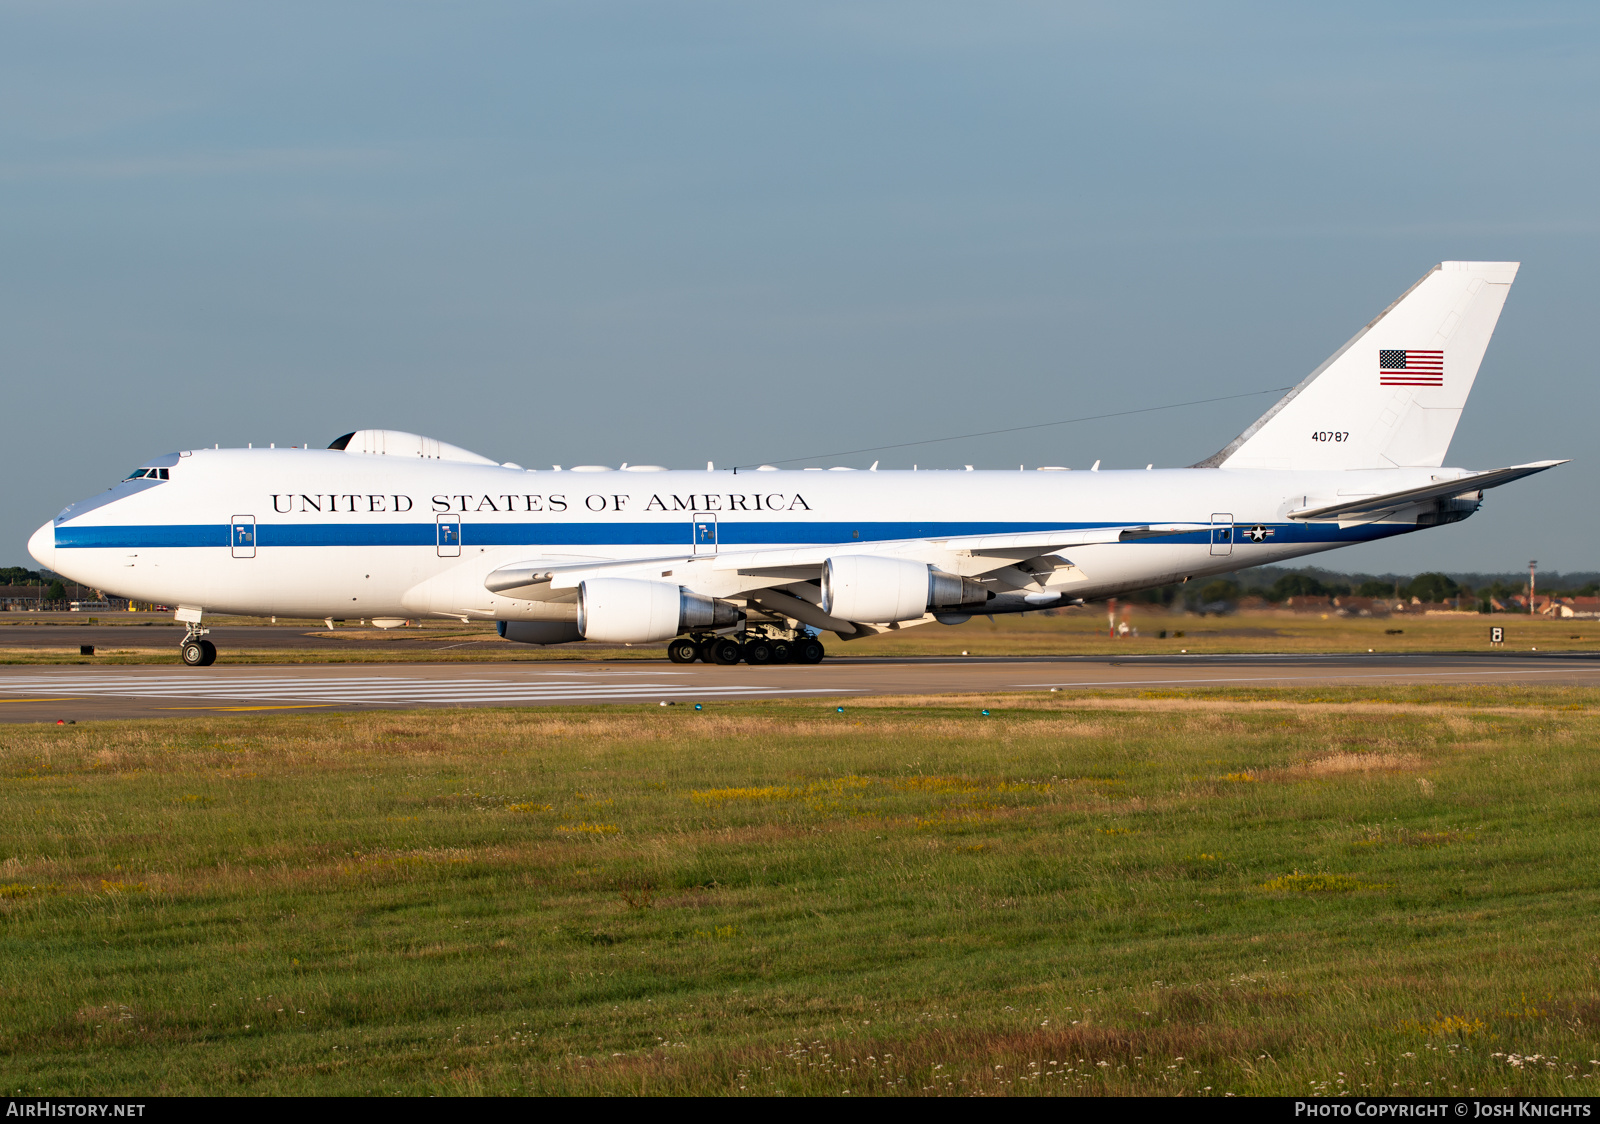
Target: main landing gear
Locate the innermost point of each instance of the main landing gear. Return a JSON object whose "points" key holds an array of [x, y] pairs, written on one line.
{"points": [[759, 645], [197, 651]]}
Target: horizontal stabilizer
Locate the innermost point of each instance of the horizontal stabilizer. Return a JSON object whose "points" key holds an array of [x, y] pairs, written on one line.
{"points": [[1472, 482]]}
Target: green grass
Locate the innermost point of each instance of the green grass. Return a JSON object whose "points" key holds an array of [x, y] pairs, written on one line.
{"points": [[1083, 631], [1284, 892]]}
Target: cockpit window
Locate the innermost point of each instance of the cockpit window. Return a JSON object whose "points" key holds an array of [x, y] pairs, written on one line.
{"points": [[147, 474]]}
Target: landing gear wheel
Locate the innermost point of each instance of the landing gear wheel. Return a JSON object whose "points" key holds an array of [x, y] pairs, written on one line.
{"points": [[809, 651], [758, 652], [781, 652], [683, 650], [726, 652], [198, 653]]}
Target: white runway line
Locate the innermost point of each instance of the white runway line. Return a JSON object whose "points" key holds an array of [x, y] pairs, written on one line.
{"points": [[1284, 678], [376, 689]]}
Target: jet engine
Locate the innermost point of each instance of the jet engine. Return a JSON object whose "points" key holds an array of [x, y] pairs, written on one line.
{"points": [[630, 611], [877, 590]]}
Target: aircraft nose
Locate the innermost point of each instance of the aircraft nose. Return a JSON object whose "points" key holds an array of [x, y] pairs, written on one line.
{"points": [[43, 546]]}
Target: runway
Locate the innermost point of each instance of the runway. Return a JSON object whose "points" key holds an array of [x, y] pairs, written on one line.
{"points": [[79, 694]]}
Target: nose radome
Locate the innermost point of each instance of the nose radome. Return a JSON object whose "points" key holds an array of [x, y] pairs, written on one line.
{"points": [[43, 546]]}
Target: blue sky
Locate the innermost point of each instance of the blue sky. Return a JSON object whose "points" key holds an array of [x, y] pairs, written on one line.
{"points": [[673, 233]]}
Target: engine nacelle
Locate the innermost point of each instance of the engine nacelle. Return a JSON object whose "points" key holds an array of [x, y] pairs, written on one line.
{"points": [[630, 611], [539, 632], [873, 589]]}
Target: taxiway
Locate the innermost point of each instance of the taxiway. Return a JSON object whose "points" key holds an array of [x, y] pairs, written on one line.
{"points": [[81, 693]]}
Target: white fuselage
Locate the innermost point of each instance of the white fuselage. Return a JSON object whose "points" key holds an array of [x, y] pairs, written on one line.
{"points": [[300, 532]]}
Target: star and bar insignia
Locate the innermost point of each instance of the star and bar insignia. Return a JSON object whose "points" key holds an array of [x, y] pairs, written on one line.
{"points": [[1260, 532]]}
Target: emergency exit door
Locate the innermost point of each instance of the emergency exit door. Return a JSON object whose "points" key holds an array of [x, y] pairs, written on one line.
{"points": [[449, 536], [1222, 533], [242, 536], [705, 535]]}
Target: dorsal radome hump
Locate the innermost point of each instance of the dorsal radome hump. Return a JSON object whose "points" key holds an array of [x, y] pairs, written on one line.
{"points": [[397, 443]]}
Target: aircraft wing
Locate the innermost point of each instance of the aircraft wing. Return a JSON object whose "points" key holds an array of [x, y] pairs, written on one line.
{"points": [[1472, 482], [519, 579], [1000, 547], [542, 579]]}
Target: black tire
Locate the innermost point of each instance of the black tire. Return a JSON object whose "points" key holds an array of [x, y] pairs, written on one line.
{"points": [[726, 652], [758, 653], [683, 650], [210, 650], [781, 651], [192, 654], [705, 651], [809, 651]]}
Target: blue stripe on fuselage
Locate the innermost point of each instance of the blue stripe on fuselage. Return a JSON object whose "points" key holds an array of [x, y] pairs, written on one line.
{"points": [[747, 534]]}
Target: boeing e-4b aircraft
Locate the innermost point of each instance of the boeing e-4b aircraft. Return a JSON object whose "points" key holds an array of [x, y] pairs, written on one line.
{"points": [[751, 565]]}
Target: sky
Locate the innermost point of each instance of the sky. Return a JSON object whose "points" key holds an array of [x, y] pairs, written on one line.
{"points": [[564, 233]]}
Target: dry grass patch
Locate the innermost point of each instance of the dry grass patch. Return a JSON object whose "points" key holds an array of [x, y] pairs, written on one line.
{"points": [[1344, 762]]}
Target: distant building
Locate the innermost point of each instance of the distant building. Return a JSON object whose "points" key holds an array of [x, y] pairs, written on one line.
{"points": [[1578, 607]]}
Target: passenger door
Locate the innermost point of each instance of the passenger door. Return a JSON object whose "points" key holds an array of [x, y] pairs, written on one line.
{"points": [[242, 536], [1221, 533], [449, 536]]}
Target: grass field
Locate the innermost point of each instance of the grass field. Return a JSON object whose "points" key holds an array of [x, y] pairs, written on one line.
{"points": [[1074, 632], [1243, 892], [1083, 631]]}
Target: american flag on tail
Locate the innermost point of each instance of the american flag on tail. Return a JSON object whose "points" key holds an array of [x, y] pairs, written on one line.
{"points": [[1410, 368]]}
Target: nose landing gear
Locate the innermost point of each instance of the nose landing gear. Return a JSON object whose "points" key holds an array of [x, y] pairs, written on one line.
{"points": [[197, 651]]}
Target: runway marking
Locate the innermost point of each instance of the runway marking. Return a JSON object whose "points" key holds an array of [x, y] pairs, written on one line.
{"points": [[241, 690], [387, 689], [1280, 678], [289, 706]]}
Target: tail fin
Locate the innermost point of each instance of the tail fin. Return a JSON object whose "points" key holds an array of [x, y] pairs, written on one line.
{"points": [[1390, 397]]}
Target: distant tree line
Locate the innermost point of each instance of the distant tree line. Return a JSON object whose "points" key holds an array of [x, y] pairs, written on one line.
{"points": [[1272, 583], [1277, 585], [13, 576]]}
